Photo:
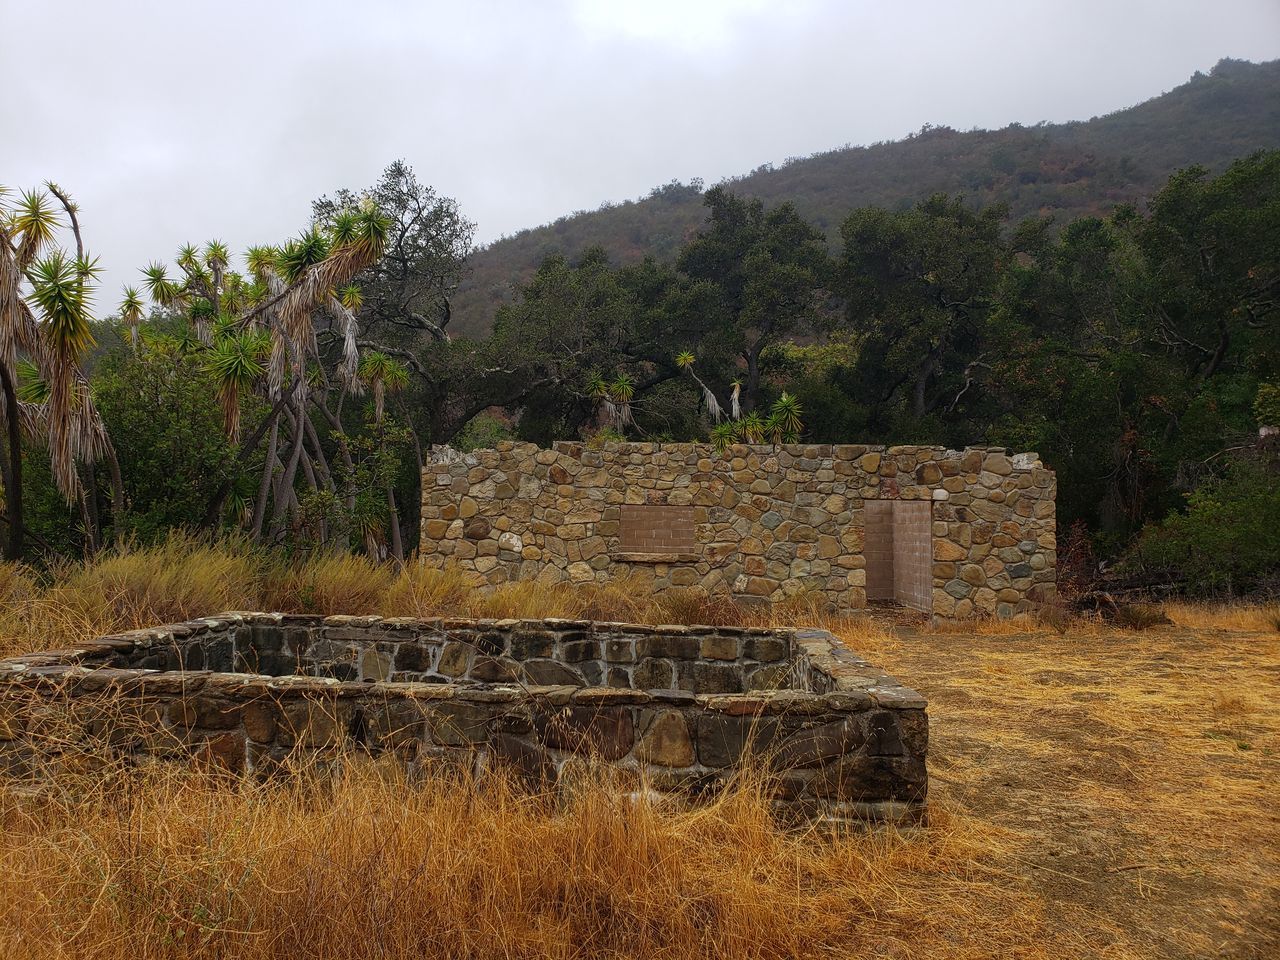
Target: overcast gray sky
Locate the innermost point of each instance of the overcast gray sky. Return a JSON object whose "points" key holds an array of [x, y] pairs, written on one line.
{"points": [[175, 121]]}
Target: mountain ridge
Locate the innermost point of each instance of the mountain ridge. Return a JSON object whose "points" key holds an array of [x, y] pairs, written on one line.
{"points": [[1071, 169]]}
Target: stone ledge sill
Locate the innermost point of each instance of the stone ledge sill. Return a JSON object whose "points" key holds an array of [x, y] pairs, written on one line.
{"points": [[655, 557]]}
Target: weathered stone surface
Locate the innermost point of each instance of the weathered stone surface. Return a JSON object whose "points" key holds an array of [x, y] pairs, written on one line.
{"points": [[862, 777], [653, 673], [530, 760], [666, 741], [259, 718], [719, 647], [724, 739], [459, 723], [549, 673], [815, 745], [604, 732], [711, 677], [454, 659]]}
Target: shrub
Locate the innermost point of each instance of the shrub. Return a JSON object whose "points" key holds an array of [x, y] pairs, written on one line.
{"points": [[1227, 541]]}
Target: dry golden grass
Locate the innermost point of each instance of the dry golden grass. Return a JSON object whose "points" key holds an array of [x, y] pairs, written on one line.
{"points": [[132, 587], [1218, 616], [181, 864], [1136, 771], [1102, 793], [327, 583]]}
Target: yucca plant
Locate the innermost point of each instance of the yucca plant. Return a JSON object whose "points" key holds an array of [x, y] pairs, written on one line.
{"points": [[236, 363], [723, 435], [382, 375], [685, 360], [260, 331], [32, 388], [621, 392], [784, 424], [131, 314], [601, 391], [752, 428], [48, 326], [60, 291]]}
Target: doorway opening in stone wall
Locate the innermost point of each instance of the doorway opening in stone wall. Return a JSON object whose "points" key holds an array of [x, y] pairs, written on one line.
{"points": [[898, 547]]}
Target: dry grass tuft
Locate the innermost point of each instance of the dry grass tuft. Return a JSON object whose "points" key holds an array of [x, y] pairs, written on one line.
{"points": [[1221, 616], [1139, 616], [422, 591], [328, 584], [989, 626]]}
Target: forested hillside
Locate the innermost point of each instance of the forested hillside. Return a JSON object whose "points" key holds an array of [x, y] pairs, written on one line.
{"points": [[1071, 170], [1136, 349]]}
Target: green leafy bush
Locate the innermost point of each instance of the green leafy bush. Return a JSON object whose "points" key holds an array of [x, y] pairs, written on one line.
{"points": [[1227, 541]]}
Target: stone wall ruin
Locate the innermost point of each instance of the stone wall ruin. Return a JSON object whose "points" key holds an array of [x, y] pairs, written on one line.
{"points": [[953, 533], [675, 709]]}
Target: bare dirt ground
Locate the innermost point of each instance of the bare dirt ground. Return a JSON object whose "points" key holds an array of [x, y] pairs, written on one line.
{"points": [[1136, 774]]}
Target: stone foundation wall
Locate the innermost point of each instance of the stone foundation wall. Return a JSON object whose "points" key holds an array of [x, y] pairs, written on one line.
{"points": [[843, 739], [768, 521]]}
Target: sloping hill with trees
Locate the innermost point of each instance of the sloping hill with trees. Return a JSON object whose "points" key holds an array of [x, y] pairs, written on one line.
{"points": [[1071, 170]]}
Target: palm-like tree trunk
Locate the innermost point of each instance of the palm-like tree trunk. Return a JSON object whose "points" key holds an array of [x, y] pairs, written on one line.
{"points": [[397, 545], [88, 501], [214, 509], [284, 497], [264, 487], [13, 469], [117, 490]]}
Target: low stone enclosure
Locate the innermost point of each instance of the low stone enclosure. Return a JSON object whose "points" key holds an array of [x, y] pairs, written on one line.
{"points": [[676, 709], [953, 533]]}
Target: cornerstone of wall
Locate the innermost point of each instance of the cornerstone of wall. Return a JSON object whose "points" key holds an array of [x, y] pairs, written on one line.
{"points": [[955, 533]]}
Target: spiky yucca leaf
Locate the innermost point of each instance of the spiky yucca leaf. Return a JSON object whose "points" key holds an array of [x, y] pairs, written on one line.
{"points": [[59, 292], [131, 314], [160, 288], [236, 362], [723, 434], [260, 259], [623, 388], [621, 392], [216, 255], [255, 294], [684, 359], [384, 375], [297, 255], [75, 431], [351, 297], [35, 220], [752, 428], [32, 387], [786, 412]]}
